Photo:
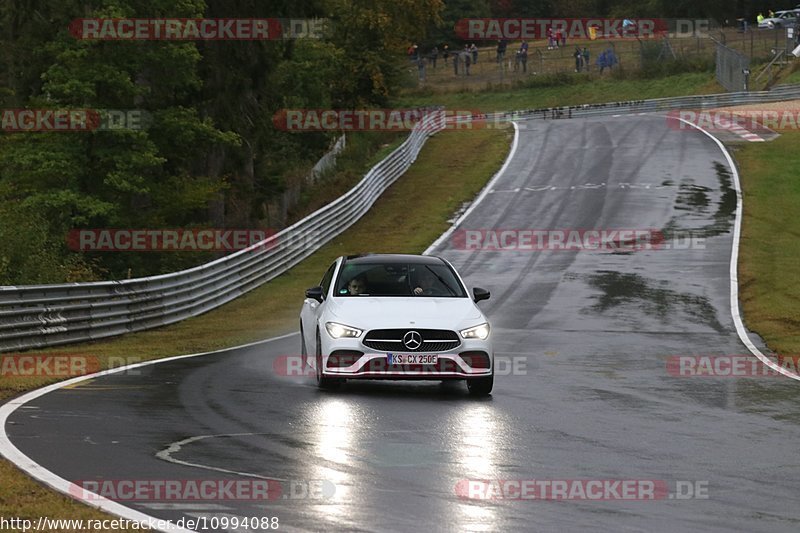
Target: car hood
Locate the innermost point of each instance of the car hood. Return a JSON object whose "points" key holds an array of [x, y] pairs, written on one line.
{"points": [[398, 312]]}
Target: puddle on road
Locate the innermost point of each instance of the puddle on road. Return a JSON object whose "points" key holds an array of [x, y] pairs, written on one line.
{"points": [[695, 202], [622, 289]]}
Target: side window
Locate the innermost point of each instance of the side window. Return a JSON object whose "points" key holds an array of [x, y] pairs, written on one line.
{"points": [[326, 280]]}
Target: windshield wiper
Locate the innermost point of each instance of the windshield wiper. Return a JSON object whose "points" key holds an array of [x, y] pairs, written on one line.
{"points": [[440, 278]]}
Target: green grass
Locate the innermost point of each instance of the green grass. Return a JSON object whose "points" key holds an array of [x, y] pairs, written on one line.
{"points": [[769, 258], [406, 218], [794, 75], [574, 90]]}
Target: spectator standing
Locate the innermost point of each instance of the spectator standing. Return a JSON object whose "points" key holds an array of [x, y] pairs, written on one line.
{"points": [[466, 58], [501, 50], [421, 67], [563, 36], [549, 38], [455, 63], [434, 56], [611, 58], [474, 51], [445, 54], [601, 61], [523, 56], [586, 58], [578, 55]]}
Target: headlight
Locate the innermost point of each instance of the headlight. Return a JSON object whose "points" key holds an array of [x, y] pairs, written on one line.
{"points": [[338, 331], [476, 332]]}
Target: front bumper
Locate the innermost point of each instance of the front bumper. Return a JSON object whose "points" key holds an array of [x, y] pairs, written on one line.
{"points": [[349, 359]]}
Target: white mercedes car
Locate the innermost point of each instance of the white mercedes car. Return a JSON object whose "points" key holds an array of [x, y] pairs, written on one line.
{"points": [[382, 316]]}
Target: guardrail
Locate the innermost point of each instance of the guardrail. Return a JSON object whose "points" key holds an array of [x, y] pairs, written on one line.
{"points": [[709, 101], [34, 316], [48, 315]]}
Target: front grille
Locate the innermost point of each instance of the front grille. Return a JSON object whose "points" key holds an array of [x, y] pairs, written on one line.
{"points": [[391, 340]]}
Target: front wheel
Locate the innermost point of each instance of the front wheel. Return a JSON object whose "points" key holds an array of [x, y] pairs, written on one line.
{"points": [[481, 386], [322, 381], [303, 349]]}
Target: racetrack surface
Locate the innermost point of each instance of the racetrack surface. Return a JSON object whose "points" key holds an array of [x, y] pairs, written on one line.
{"points": [[590, 331]]}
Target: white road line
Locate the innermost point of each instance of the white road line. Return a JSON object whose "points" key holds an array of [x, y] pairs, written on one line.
{"points": [[175, 447], [481, 196], [199, 506], [48, 478], [737, 230]]}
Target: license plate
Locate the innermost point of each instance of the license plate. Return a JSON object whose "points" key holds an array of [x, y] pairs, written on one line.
{"points": [[412, 359]]}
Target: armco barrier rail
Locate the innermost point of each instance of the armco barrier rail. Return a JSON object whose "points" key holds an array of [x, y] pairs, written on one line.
{"points": [[709, 101], [48, 315]]}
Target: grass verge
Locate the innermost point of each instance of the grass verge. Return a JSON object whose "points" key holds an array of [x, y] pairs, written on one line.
{"points": [[769, 257], [794, 74], [567, 90], [406, 218]]}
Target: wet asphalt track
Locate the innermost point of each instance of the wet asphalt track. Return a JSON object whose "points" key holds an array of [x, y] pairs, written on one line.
{"points": [[594, 330]]}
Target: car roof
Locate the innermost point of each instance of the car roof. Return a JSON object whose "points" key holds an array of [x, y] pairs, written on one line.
{"points": [[366, 259]]}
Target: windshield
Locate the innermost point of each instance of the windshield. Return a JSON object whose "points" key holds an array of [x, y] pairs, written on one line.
{"points": [[398, 279]]}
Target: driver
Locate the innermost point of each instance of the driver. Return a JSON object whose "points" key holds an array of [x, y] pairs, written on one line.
{"points": [[357, 285], [427, 284]]}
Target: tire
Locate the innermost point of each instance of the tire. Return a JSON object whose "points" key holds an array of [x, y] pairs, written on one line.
{"points": [[322, 382], [480, 386], [303, 349]]}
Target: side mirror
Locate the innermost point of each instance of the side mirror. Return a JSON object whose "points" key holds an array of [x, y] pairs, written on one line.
{"points": [[479, 294], [315, 293]]}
